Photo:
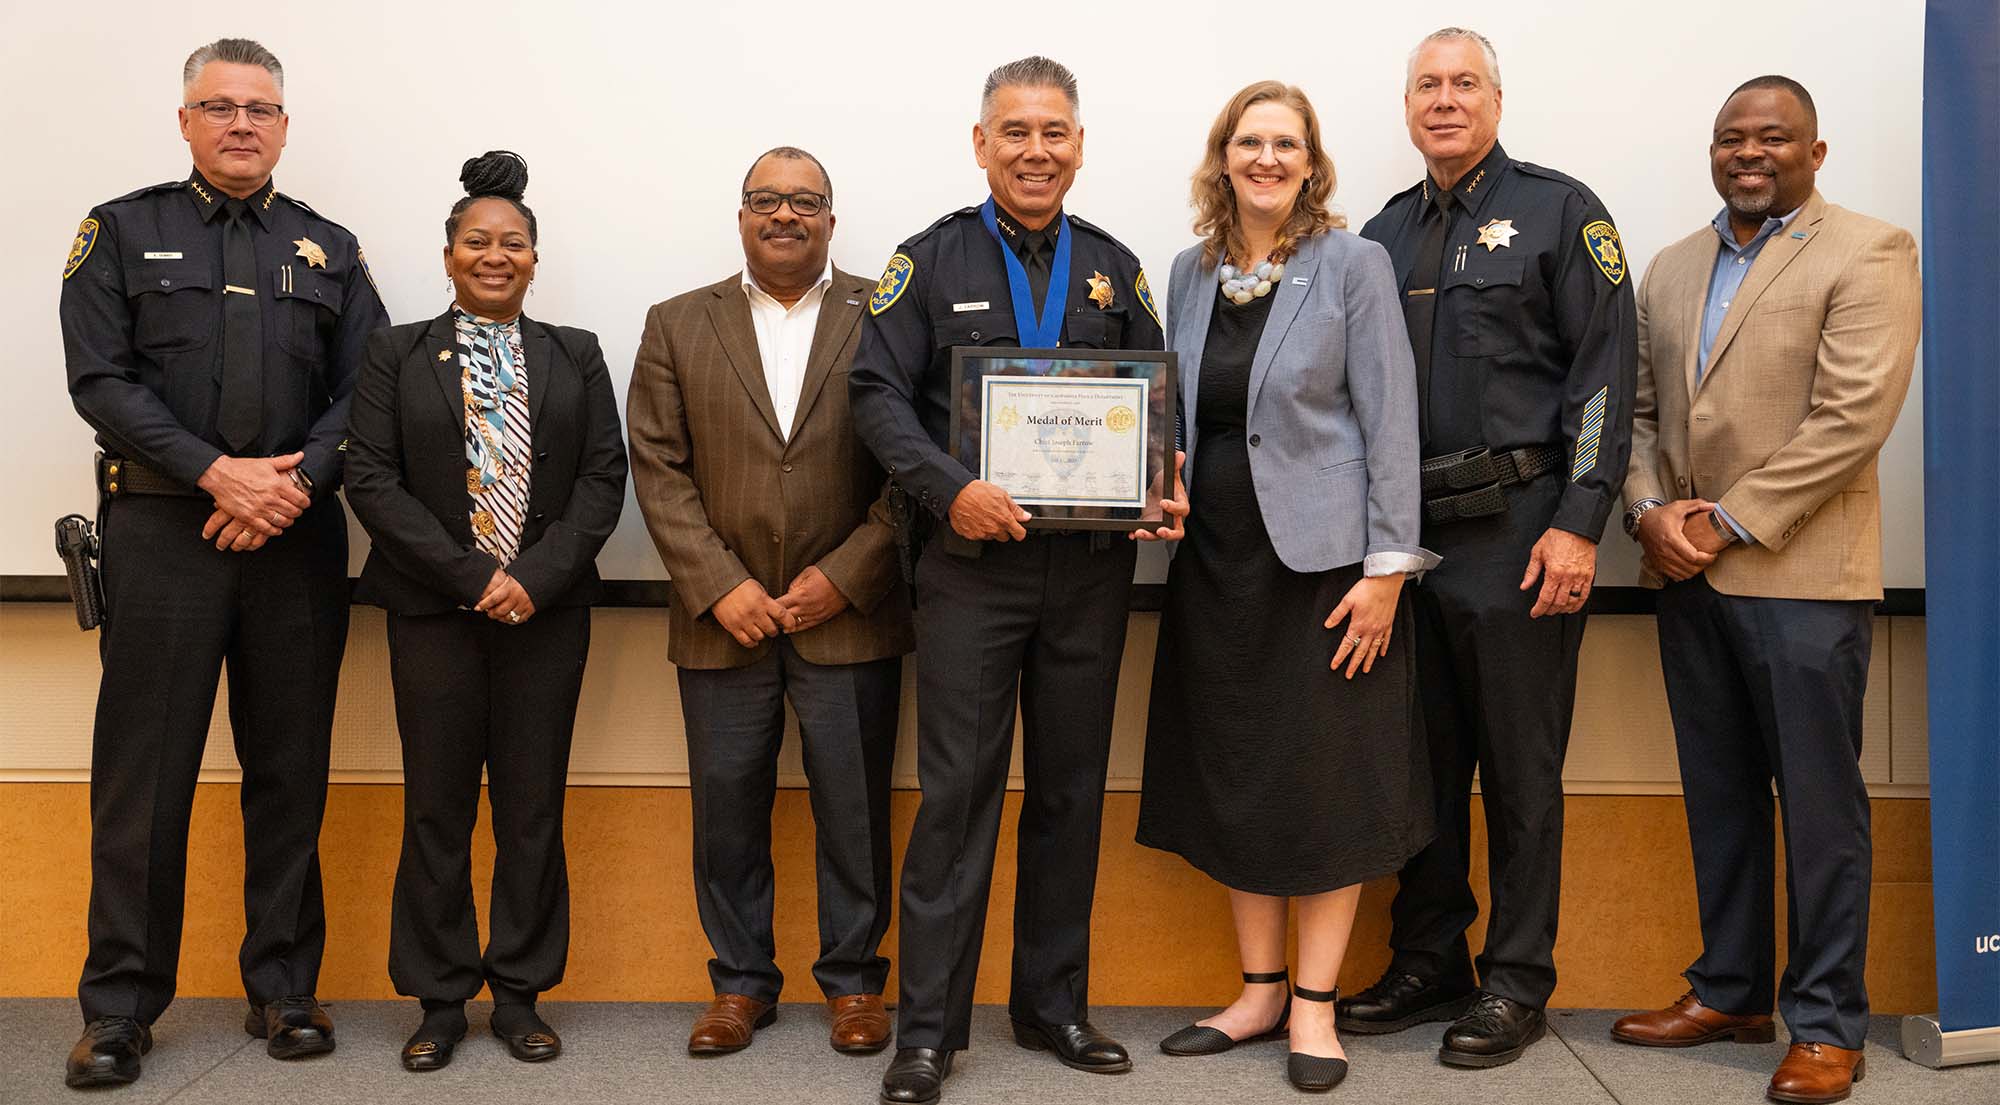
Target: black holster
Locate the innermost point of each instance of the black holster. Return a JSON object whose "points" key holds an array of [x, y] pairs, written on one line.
{"points": [[76, 543]]}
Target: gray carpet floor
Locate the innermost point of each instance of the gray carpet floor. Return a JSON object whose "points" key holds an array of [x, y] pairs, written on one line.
{"points": [[635, 1053]]}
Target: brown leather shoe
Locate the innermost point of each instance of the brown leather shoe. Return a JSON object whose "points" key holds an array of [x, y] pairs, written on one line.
{"points": [[860, 1023], [1815, 1073], [729, 1024], [1688, 1022]]}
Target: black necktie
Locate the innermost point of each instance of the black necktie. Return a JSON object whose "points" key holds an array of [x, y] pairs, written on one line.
{"points": [[242, 334], [1035, 250], [1420, 298]]}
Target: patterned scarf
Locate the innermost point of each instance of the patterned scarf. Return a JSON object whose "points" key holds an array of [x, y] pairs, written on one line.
{"points": [[497, 450]]}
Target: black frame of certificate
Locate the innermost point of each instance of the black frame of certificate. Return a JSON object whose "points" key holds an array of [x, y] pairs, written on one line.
{"points": [[1159, 368]]}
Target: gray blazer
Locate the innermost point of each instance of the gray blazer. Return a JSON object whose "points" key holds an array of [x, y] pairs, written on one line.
{"points": [[1333, 405]]}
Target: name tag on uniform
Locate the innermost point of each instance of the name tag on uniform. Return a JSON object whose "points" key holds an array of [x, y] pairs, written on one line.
{"points": [[979, 306], [164, 256], [1300, 281]]}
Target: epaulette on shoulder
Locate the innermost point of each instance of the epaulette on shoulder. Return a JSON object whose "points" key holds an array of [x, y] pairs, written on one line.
{"points": [[1104, 234], [938, 225], [1546, 173], [307, 208], [150, 189]]}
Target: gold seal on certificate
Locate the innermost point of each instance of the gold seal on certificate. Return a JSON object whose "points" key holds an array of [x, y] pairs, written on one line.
{"points": [[1081, 438]]}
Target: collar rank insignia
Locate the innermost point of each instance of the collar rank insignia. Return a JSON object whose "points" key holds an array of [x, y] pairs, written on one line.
{"points": [[309, 249], [1100, 289], [1602, 238], [889, 289], [1496, 233]]}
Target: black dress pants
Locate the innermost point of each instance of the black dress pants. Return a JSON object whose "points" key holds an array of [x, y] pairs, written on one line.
{"points": [[177, 610], [1040, 621], [1769, 690], [847, 727], [474, 693], [1498, 688]]}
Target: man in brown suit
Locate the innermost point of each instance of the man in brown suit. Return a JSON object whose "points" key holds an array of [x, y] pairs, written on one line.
{"points": [[1775, 348], [770, 517]]}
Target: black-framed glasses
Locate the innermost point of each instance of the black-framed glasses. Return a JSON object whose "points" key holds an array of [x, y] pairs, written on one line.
{"points": [[804, 204], [221, 113]]}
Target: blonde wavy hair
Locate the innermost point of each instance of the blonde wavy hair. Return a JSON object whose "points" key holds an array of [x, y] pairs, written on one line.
{"points": [[1215, 201]]}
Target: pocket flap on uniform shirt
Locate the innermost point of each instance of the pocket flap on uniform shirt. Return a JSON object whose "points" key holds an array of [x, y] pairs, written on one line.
{"points": [[1484, 272], [167, 277], [296, 283]]}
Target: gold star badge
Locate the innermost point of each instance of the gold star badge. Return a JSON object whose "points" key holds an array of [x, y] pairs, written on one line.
{"points": [[444, 355], [1100, 289], [1496, 233], [309, 249]]}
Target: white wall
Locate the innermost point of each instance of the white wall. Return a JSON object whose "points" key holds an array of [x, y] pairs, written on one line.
{"points": [[638, 120]]}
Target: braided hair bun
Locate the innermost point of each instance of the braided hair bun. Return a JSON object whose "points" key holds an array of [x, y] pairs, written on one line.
{"points": [[502, 173]]}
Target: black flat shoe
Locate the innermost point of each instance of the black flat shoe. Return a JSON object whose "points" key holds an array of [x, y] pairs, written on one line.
{"points": [[1493, 1033], [1078, 1046], [430, 1047], [527, 1036], [1401, 999], [1314, 1073], [916, 1076], [294, 1027], [107, 1054], [1201, 1039]]}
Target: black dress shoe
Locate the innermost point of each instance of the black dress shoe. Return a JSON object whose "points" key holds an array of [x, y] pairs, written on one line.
{"points": [[527, 1036], [1400, 999], [1314, 1073], [1079, 1046], [916, 1076], [291, 1027], [1200, 1039], [1494, 1032], [431, 1045], [107, 1054]]}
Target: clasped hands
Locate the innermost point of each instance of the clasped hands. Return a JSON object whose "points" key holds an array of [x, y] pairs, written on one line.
{"points": [[255, 500], [984, 511], [1679, 539], [751, 615]]}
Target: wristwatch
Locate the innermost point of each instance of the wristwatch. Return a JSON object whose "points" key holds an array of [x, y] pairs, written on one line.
{"points": [[1723, 529], [1632, 516]]}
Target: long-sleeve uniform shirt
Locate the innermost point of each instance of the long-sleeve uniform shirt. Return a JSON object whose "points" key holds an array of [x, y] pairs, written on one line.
{"points": [[948, 287], [1533, 335], [142, 321]]}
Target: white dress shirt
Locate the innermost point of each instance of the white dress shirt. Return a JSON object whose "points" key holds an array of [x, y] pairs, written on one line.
{"points": [[784, 342]]}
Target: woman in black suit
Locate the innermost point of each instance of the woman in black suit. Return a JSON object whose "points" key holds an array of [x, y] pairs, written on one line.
{"points": [[488, 466]]}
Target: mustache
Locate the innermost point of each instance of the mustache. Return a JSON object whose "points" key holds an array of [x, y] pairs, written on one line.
{"points": [[1753, 167], [783, 231]]}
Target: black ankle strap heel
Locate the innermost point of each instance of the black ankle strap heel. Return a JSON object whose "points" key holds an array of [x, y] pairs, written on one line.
{"points": [[1313, 1073], [1266, 976], [1316, 995]]}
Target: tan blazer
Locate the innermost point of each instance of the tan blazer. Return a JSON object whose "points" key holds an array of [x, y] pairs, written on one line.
{"points": [[1804, 383], [727, 498]]}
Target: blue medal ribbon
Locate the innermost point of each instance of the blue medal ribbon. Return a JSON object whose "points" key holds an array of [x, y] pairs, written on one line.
{"points": [[1047, 333]]}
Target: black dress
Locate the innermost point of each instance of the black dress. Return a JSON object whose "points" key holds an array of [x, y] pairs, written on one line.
{"points": [[1265, 768]]}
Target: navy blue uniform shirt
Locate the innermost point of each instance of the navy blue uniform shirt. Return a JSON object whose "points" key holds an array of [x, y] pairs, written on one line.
{"points": [[142, 327], [1535, 336]]}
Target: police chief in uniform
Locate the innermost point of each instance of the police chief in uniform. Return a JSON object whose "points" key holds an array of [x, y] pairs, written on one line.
{"points": [[1522, 322], [1002, 610], [212, 329]]}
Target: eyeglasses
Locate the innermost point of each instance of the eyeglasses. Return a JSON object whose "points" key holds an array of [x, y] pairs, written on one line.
{"points": [[221, 113], [804, 204]]}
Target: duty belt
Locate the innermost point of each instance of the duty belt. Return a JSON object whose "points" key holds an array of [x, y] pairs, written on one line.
{"points": [[1471, 484], [119, 476]]}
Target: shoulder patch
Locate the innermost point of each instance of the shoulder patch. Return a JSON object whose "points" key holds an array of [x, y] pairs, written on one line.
{"points": [[889, 289], [361, 261], [1145, 292], [86, 238], [1602, 239]]}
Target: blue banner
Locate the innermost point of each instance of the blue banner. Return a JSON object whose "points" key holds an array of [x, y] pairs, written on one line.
{"points": [[1962, 499]]}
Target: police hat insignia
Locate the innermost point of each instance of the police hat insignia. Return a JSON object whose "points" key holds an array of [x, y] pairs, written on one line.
{"points": [[1602, 238], [309, 249], [1145, 291], [86, 237], [890, 288], [1100, 289]]}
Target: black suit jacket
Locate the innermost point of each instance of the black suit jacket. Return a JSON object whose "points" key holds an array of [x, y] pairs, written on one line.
{"points": [[406, 470]]}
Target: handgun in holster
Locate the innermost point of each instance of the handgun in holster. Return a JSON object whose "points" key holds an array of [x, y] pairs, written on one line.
{"points": [[76, 543], [909, 541]]}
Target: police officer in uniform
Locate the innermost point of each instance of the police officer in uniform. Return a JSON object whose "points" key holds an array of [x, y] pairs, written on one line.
{"points": [[1002, 609], [1522, 322], [212, 328]]}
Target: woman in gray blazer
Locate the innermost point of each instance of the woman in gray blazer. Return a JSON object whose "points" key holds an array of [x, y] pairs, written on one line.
{"points": [[1282, 754]]}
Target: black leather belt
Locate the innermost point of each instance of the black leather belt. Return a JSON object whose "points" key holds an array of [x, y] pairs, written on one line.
{"points": [[1471, 484], [119, 476]]}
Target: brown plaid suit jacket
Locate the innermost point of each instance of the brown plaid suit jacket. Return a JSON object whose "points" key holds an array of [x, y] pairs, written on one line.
{"points": [[727, 498]]}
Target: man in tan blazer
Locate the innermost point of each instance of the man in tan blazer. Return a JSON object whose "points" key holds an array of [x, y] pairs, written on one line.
{"points": [[1775, 348], [770, 517]]}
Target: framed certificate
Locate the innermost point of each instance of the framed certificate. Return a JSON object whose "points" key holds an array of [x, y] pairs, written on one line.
{"points": [[1081, 438]]}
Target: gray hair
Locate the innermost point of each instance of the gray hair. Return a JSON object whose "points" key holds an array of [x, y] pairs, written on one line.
{"points": [[1448, 34], [1029, 72], [790, 153], [234, 51]]}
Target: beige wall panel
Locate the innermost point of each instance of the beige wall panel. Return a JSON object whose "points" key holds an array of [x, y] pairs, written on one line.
{"points": [[1909, 704]]}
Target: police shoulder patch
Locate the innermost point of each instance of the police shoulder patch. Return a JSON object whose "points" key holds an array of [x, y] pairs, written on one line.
{"points": [[361, 260], [895, 278], [79, 250], [1602, 239], [1145, 291]]}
